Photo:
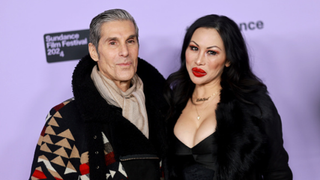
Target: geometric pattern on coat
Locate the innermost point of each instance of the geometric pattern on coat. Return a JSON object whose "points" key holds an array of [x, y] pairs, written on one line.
{"points": [[59, 152]]}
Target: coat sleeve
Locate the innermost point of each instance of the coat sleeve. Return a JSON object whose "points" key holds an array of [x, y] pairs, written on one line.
{"points": [[276, 166], [56, 156]]}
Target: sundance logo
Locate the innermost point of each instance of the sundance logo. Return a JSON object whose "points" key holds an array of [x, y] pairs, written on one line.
{"points": [[66, 46], [252, 25]]}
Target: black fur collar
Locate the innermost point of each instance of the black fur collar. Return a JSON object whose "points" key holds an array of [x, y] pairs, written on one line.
{"points": [[94, 110]]}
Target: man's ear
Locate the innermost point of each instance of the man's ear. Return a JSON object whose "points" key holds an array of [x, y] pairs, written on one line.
{"points": [[93, 52]]}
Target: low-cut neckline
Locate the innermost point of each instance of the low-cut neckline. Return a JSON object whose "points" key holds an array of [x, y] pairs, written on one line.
{"points": [[195, 144]]}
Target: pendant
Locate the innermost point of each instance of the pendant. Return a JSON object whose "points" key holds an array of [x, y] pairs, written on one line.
{"points": [[198, 117]]}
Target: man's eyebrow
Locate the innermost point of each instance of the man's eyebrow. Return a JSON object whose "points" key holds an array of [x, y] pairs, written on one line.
{"points": [[111, 38], [132, 36]]}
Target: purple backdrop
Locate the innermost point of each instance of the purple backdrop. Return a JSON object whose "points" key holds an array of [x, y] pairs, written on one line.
{"points": [[284, 54]]}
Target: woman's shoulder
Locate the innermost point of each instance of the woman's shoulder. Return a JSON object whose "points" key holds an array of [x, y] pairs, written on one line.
{"points": [[263, 103], [257, 103]]}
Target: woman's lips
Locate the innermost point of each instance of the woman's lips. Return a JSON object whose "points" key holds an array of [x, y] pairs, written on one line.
{"points": [[198, 72]]}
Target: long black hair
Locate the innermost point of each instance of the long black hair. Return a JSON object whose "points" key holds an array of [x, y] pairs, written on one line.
{"points": [[238, 77]]}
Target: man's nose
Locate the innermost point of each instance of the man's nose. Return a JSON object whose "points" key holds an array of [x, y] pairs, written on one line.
{"points": [[123, 50]]}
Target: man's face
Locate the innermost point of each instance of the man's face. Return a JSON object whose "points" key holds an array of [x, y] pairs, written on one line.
{"points": [[118, 51]]}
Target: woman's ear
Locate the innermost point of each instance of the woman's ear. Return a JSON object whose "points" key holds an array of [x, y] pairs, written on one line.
{"points": [[93, 52], [227, 64]]}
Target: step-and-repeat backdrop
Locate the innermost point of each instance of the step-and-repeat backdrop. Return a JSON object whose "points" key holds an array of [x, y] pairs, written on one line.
{"points": [[42, 41]]}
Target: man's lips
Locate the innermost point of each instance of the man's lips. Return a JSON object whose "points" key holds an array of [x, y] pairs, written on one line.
{"points": [[198, 72], [125, 64]]}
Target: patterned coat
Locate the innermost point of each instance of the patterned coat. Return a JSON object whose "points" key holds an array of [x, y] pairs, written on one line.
{"points": [[86, 138]]}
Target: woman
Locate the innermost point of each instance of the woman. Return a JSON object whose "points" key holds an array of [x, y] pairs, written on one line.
{"points": [[222, 125]]}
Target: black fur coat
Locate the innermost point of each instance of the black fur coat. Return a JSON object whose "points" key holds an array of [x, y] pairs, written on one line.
{"points": [[248, 139], [130, 146]]}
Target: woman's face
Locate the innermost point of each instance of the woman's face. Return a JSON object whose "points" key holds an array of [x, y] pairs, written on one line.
{"points": [[205, 56]]}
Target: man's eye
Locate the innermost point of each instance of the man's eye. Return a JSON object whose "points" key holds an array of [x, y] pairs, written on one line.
{"points": [[112, 43], [131, 41]]}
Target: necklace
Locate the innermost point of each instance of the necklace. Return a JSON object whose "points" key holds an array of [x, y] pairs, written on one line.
{"points": [[202, 99], [198, 117], [206, 98]]}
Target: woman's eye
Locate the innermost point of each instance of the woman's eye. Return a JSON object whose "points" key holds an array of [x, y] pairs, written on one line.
{"points": [[212, 52], [193, 48]]}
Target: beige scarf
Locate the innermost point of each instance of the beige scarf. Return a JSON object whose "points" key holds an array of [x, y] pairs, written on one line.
{"points": [[132, 101]]}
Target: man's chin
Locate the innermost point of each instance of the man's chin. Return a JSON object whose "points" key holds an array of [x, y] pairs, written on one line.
{"points": [[125, 78]]}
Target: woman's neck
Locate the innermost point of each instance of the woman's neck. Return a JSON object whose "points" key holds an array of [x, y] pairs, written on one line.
{"points": [[206, 90]]}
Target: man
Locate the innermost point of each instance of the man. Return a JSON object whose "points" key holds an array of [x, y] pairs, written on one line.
{"points": [[112, 128]]}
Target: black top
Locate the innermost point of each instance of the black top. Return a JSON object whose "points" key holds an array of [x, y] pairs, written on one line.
{"points": [[199, 162]]}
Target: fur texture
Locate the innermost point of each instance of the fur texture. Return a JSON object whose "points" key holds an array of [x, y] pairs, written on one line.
{"points": [[248, 139], [99, 116]]}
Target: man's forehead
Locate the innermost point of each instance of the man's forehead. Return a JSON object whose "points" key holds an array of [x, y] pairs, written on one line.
{"points": [[118, 29]]}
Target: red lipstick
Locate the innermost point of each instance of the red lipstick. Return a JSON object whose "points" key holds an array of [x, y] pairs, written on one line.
{"points": [[198, 72]]}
